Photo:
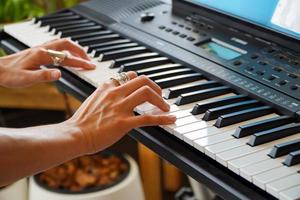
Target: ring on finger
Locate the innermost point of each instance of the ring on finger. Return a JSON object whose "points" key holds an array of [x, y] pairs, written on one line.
{"points": [[57, 56], [121, 78]]}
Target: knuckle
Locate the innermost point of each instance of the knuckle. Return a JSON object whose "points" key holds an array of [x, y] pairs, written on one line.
{"points": [[144, 78]]}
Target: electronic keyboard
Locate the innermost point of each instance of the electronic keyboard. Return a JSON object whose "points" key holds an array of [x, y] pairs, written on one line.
{"points": [[238, 114]]}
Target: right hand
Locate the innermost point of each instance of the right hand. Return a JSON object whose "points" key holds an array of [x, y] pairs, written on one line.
{"points": [[108, 114]]}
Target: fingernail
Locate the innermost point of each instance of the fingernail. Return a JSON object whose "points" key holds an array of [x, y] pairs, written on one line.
{"points": [[166, 107], [92, 65], [172, 118], [55, 74]]}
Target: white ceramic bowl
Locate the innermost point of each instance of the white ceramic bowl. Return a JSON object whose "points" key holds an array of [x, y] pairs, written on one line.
{"points": [[15, 191], [129, 188]]}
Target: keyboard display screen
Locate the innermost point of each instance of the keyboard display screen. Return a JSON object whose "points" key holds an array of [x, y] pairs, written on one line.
{"points": [[279, 15], [220, 51]]}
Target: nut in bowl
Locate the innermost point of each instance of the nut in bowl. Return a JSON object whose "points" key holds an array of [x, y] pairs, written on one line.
{"points": [[85, 174]]}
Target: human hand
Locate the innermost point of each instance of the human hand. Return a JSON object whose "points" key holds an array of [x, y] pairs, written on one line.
{"points": [[108, 114], [23, 69]]}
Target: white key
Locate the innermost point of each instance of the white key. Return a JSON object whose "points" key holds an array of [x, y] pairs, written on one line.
{"points": [[212, 150], [99, 75], [24, 32], [275, 187], [190, 137], [231, 154], [211, 130], [262, 179], [257, 168], [200, 144], [192, 127], [244, 161], [290, 194]]}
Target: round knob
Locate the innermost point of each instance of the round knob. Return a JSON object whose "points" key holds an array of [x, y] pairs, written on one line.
{"points": [[147, 17]]}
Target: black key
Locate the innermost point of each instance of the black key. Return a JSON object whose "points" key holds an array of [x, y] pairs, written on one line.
{"points": [[84, 30], [114, 47], [274, 134], [214, 113], [177, 91], [292, 159], [170, 73], [45, 22], [244, 115], [93, 34], [142, 64], [203, 107], [249, 129], [134, 58], [99, 39], [111, 55], [74, 26], [160, 68], [70, 23], [54, 15], [285, 148], [178, 80], [201, 95]]}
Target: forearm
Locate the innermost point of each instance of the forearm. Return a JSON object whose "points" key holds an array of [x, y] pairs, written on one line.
{"points": [[24, 152]]}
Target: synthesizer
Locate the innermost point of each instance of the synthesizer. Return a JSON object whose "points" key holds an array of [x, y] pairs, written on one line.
{"points": [[234, 88]]}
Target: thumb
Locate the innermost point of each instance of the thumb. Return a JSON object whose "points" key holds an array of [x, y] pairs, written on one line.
{"points": [[43, 75]]}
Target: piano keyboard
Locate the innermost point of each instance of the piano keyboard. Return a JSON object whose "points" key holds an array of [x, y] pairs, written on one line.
{"points": [[248, 137]]}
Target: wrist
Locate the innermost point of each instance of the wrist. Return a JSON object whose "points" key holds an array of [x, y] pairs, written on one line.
{"points": [[81, 140]]}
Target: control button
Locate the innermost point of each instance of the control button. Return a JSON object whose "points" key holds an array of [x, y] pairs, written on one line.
{"points": [[147, 17], [169, 29], [294, 76], [296, 62], [162, 27], [183, 35], [188, 28], [294, 87], [260, 73], [250, 69], [263, 63], [270, 50], [209, 27], [191, 39], [283, 82], [271, 78], [181, 25], [196, 31], [175, 32], [237, 63], [202, 24], [174, 23], [254, 56], [277, 69]]}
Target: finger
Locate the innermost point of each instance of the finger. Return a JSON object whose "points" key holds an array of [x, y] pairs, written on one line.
{"points": [[152, 120], [43, 75], [145, 94], [132, 75], [77, 62], [139, 82], [69, 45]]}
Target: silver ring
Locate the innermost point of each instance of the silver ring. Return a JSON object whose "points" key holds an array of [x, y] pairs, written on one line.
{"points": [[121, 78], [57, 56]]}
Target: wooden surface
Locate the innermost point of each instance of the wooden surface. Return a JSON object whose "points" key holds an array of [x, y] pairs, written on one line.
{"points": [[150, 172], [41, 96]]}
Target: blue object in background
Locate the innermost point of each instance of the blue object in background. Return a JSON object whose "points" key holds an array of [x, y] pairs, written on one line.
{"points": [[257, 11]]}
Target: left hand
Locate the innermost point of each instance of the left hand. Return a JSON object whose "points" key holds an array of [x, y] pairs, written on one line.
{"points": [[23, 69]]}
